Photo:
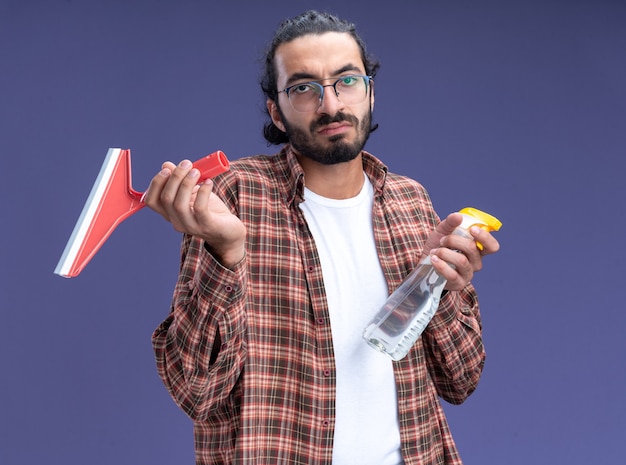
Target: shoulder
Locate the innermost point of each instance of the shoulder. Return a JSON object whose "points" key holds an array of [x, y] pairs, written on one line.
{"points": [[399, 190], [254, 179], [401, 182], [254, 166], [389, 182], [254, 169], [404, 189]]}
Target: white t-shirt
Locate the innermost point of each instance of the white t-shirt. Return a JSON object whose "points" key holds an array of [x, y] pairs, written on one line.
{"points": [[366, 429]]}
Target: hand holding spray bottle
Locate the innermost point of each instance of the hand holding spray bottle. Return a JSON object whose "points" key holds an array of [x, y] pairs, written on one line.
{"points": [[409, 309]]}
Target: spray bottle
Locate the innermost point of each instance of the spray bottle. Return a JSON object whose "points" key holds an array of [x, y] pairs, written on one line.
{"points": [[409, 309]]}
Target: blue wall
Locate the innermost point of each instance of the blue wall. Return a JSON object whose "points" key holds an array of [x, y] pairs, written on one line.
{"points": [[518, 108]]}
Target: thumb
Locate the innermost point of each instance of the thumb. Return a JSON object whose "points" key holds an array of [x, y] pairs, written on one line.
{"points": [[444, 228], [449, 224]]}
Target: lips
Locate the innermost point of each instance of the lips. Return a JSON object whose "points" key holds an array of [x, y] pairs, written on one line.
{"points": [[334, 128], [332, 125]]}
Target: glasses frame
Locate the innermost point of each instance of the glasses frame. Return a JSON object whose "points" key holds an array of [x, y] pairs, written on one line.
{"points": [[368, 81]]}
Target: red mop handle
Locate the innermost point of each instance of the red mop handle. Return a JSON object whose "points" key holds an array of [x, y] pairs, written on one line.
{"points": [[209, 167], [212, 165]]}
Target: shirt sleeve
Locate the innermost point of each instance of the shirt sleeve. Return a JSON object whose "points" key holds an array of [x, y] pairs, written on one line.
{"points": [[200, 348], [454, 345]]}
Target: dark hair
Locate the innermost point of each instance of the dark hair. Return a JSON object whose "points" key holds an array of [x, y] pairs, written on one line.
{"points": [[309, 22]]}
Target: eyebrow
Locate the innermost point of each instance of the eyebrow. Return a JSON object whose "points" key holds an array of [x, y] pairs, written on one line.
{"points": [[308, 76]]}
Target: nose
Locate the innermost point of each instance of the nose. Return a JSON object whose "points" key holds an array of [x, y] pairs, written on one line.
{"points": [[329, 101]]}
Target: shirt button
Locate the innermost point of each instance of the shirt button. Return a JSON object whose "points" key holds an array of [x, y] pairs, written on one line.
{"points": [[311, 268], [228, 288], [320, 321], [326, 373], [326, 423]]}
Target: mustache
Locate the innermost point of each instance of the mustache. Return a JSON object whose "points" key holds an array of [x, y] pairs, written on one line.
{"points": [[336, 118]]}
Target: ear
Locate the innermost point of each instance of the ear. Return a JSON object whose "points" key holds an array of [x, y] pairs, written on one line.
{"points": [[272, 109], [372, 96]]}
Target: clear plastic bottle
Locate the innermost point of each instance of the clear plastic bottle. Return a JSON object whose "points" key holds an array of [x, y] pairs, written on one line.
{"points": [[409, 309]]}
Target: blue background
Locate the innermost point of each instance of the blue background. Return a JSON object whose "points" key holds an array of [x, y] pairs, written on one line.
{"points": [[514, 107]]}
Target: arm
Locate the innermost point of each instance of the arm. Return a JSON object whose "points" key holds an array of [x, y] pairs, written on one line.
{"points": [[453, 339], [200, 348], [453, 343], [174, 194]]}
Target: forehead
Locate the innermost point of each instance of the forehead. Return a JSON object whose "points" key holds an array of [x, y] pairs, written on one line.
{"points": [[317, 56]]}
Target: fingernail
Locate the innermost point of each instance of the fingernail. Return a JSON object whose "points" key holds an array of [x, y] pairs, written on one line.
{"points": [[165, 172], [194, 173], [185, 164]]}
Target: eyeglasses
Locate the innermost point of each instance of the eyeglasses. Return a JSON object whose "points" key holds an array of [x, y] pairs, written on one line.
{"points": [[307, 96]]}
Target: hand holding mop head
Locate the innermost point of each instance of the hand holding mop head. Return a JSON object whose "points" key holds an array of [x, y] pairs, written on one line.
{"points": [[111, 201]]}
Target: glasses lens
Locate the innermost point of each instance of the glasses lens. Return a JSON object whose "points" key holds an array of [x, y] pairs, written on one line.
{"points": [[305, 97], [351, 90]]}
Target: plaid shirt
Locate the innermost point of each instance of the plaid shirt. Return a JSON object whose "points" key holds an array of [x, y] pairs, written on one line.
{"points": [[247, 353]]}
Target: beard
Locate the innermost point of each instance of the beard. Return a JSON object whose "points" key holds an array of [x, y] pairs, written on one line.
{"points": [[335, 149]]}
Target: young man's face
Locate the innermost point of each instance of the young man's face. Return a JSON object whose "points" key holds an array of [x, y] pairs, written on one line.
{"points": [[334, 131]]}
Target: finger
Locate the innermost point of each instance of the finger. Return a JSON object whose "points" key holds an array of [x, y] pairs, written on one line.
{"points": [[464, 245], [170, 190], [152, 196], [168, 165], [456, 259], [201, 202], [183, 204], [488, 242], [443, 229], [448, 225], [454, 267], [186, 191]]}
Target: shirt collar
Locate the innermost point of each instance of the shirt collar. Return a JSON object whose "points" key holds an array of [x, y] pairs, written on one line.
{"points": [[293, 177]]}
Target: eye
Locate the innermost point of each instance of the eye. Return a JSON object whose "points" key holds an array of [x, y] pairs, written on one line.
{"points": [[349, 81], [305, 88]]}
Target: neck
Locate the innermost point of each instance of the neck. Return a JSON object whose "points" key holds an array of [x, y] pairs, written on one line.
{"points": [[338, 181]]}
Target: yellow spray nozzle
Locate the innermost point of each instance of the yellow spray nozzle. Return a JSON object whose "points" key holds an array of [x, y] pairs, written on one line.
{"points": [[485, 221]]}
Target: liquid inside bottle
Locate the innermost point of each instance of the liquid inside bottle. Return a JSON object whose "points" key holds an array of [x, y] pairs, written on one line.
{"points": [[409, 309], [407, 312]]}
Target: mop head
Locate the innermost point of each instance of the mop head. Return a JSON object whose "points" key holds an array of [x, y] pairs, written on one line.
{"points": [[111, 201]]}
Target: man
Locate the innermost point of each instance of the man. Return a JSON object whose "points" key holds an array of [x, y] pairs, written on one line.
{"points": [[285, 259]]}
